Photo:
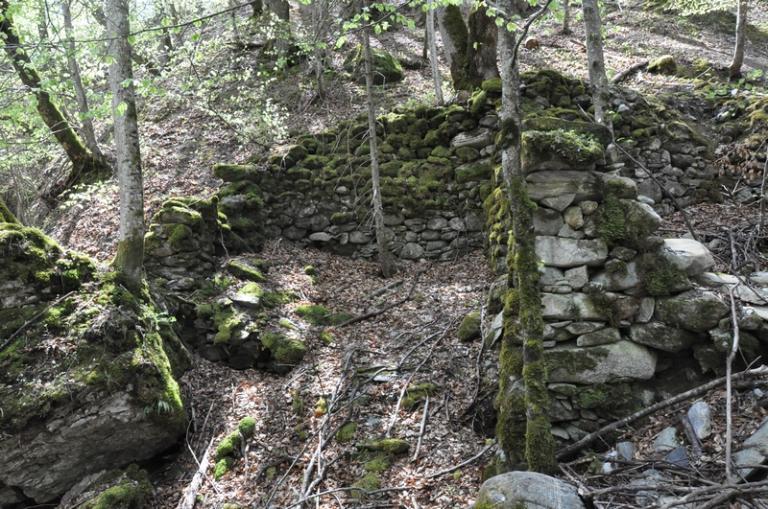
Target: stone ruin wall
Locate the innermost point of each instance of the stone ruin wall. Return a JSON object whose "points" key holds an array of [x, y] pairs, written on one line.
{"points": [[630, 317]]}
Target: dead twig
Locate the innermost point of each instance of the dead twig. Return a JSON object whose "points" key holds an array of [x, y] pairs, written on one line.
{"points": [[377, 312], [463, 463], [423, 426]]}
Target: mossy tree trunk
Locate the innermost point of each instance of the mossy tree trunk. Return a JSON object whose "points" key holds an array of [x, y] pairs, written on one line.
{"points": [[481, 47], [455, 36], [436, 78], [524, 371], [6, 216], [386, 261], [86, 124], [596, 61], [129, 259], [734, 70], [84, 162]]}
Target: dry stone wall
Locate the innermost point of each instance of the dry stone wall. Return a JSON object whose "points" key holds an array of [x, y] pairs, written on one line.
{"points": [[629, 317]]}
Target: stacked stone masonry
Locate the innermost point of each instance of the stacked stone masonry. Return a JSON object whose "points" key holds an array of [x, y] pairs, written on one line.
{"points": [[630, 318]]}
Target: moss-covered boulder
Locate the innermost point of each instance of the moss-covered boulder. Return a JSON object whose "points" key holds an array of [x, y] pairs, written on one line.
{"points": [[116, 489], [665, 64], [386, 68], [87, 384], [470, 327]]}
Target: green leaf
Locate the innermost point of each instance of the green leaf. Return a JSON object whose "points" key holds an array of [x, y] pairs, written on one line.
{"points": [[121, 109]]}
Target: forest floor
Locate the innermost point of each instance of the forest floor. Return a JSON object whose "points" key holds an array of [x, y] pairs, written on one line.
{"points": [[359, 366]]}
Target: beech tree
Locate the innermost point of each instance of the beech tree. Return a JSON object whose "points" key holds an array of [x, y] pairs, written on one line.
{"points": [[128, 262], [596, 61], [734, 70], [469, 49], [85, 164], [386, 260], [521, 420]]}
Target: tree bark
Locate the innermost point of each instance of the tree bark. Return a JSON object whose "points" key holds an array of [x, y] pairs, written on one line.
{"points": [[566, 17], [524, 301], [84, 162], [455, 37], [98, 14], [596, 61], [74, 70], [734, 70], [280, 8], [385, 257], [481, 47], [128, 262], [436, 79]]}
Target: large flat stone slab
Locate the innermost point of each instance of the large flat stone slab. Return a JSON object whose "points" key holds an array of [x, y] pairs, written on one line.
{"points": [[614, 362]]}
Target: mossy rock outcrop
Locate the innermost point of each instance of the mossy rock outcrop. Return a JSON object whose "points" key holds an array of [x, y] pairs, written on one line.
{"points": [[87, 383]]}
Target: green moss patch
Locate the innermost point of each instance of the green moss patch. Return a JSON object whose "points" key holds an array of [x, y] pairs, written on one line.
{"points": [[320, 315], [470, 327], [246, 269], [285, 351]]}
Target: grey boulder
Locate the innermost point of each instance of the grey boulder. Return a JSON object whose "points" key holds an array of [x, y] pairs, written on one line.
{"points": [[531, 490]]}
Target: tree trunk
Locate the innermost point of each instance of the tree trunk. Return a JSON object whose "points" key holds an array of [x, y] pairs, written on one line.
{"points": [[734, 70], [481, 47], [165, 39], [453, 32], [129, 259], [74, 70], [436, 79], [524, 301], [385, 257], [233, 18], [84, 162], [596, 62], [566, 17], [6, 216], [257, 8], [281, 9]]}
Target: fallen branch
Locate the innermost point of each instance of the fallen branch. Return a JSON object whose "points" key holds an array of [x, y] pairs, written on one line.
{"points": [[464, 463], [377, 312], [422, 428], [189, 497], [568, 451], [626, 73], [347, 488], [729, 390]]}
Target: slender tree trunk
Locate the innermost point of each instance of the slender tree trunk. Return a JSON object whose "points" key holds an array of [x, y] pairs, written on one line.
{"points": [[566, 17], [481, 47], [74, 70], [42, 21], [233, 19], [734, 70], [455, 37], [528, 370], [84, 162], [165, 40], [385, 257], [597, 77], [129, 260], [436, 79]]}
